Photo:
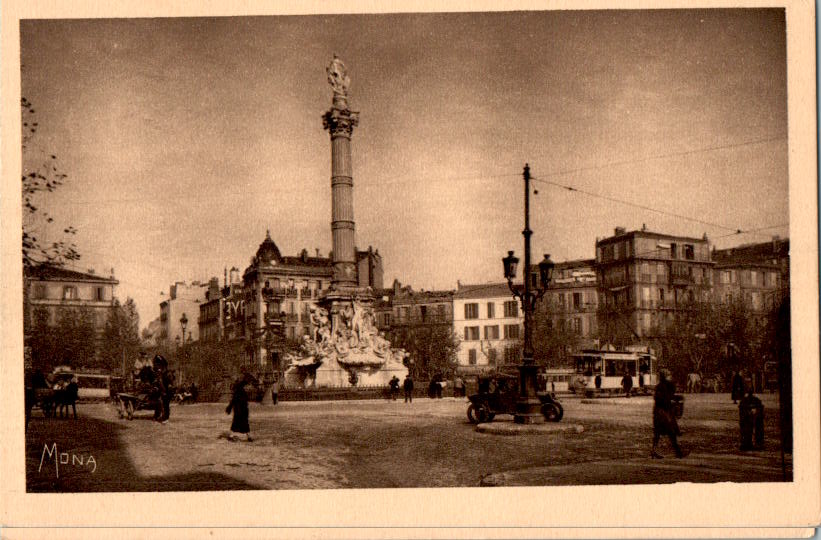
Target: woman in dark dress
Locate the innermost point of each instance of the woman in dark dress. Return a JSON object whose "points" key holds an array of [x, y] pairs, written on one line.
{"points": [[239, 404]]}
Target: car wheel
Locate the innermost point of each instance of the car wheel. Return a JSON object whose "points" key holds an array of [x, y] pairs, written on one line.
{"points": [[552, 412], [477, 414]]}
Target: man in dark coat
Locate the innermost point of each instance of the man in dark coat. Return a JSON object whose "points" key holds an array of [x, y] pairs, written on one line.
{"points": [[239, 405], [408, 387], [664, 415], [751, 422], [394, 386], [627, 383]]}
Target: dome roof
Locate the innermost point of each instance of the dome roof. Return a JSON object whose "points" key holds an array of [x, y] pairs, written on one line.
{"points": [[268, 250]]}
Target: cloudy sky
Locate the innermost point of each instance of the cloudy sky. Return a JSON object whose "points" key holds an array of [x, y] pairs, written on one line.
{"points": [[185, 139]]}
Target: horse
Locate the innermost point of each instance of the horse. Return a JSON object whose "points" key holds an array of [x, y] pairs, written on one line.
{"points": [[693, 383], [66, 397]]}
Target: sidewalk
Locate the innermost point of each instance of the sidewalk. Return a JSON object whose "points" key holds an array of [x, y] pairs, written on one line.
{"points": [[752, 467]]}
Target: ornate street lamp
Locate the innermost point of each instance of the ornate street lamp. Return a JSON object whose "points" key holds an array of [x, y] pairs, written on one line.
{"points": [[528, 407]]}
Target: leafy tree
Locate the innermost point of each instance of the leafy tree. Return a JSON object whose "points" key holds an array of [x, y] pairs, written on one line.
{"points": [[76, 338], [43, 341], [41, 176], [432, 349], [121, 341]]}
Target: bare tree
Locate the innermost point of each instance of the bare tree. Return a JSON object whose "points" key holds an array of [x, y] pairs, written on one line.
{"points": [[40, 177]]}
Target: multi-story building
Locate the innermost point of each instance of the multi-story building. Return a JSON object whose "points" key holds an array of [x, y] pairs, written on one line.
{"points": [[572, 300], [183, 304], [50, 291], [759, 273], [488, 320], [272, 299], [644, 277], [757, 284], [402, 307]]}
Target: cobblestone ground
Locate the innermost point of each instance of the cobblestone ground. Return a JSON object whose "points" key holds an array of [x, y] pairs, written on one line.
{"points": [[368, 444]]}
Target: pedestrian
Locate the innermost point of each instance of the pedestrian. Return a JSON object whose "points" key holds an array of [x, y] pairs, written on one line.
{"points": [[458, 387], [627, 383], [168, 380], [664, 415], [408, 387], [598, 381], [737, 391], [275, 390], [194, 391], [239, 406], [394, 387], [751, 422]]}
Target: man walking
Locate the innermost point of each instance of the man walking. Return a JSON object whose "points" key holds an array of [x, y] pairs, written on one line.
{"points": [[408, 387], [664, 415]]}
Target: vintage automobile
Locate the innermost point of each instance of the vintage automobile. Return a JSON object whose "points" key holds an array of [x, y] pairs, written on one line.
{"points": [[498, 394]]}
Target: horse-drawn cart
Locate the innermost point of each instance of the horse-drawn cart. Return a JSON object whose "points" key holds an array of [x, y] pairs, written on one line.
{"points": [[128, 404]]}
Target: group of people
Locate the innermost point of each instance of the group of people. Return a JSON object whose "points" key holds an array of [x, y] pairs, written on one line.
{"points": [[156, 380], [750, 413]]}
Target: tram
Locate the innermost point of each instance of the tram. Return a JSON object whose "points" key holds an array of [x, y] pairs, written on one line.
{"points": [[601, 372]]}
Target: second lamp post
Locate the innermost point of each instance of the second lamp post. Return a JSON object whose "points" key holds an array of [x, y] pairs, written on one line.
{"points": [[528, 407]]}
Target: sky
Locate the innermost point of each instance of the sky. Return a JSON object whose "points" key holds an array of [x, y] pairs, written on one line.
{"points": [[184, 140]]}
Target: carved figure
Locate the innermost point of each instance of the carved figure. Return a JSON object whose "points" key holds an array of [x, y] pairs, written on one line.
{"points": [[338, 77]]}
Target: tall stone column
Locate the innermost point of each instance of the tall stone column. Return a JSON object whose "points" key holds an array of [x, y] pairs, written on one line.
{"points": [[339, 120]]}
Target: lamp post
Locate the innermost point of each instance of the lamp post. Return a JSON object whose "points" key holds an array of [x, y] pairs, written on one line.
{"points": [[528, 407]]}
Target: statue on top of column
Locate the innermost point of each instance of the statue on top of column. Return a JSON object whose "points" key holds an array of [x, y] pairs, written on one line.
{"points": [[338, 77]]}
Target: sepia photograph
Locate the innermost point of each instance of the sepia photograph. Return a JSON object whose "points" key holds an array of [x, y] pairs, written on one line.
{"points": [[368, 251]]}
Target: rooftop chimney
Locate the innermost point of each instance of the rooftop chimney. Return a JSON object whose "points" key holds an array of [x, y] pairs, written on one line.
{"points": [[618, 231], [775, 242]]}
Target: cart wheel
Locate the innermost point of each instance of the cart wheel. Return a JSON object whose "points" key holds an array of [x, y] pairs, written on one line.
{"points": [[552, 412], [129, 409], [477, 414]]}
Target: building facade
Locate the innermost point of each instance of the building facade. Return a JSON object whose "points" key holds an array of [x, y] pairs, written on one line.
{"points": [[644, 277], [488, 320], [49, 292], [269, 305], [183, 300], [572, 301]]}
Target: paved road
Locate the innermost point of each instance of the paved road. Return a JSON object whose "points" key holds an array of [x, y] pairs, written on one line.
{"points": [[428, 443]]}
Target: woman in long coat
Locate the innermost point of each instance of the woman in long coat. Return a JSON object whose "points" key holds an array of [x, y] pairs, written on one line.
{"points": [[239, 404]]}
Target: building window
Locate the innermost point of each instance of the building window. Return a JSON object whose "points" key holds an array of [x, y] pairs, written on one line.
{"points": [[491, 310], [441, 312], [673, 251], [512, 309], [492, 332], [491, 356], [577, 325], [423, 312], [69, 292], [39, 291], [661, 297], [471, 333], [471, 311], [472, 357], [99, 294], [403, 313], [689, 252], [577, 300], [754, 278], [511, 331]]}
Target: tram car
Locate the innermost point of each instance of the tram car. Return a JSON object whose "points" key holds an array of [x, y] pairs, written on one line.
{"points": [[599, 372]]}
